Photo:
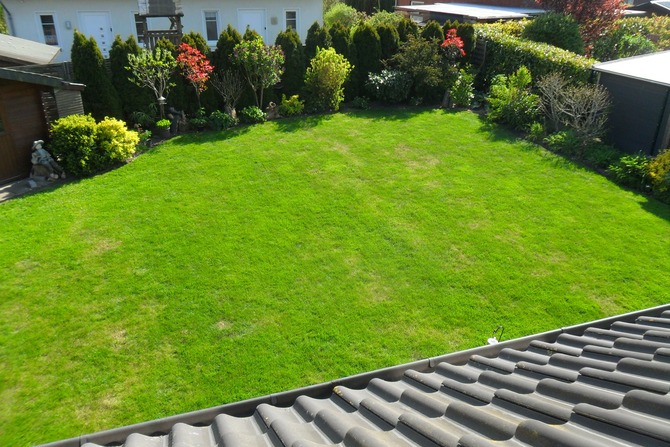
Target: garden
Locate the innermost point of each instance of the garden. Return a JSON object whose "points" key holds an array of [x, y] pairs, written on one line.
{"points": [[263, 247]]}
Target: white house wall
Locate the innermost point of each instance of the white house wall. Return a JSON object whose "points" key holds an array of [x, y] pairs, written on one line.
{"points": [[24, 17]]}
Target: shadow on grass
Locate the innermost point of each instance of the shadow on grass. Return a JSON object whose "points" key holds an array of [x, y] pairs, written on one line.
{"points": [[210, 136], [657, 208], [301, 122]]}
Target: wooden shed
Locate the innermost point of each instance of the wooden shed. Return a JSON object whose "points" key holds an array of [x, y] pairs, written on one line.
{"points": [[640, 89], [31, 97]]}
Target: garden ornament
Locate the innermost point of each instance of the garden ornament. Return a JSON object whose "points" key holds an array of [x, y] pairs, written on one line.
{"points": [[43, 163]]}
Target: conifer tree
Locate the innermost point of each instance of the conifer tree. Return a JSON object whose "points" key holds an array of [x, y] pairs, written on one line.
{"points": [[99, 97], [133, 98], [294, 62], [368, 54], [317, 36]]}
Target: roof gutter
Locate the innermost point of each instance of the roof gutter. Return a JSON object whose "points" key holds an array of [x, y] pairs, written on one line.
{"points": [[323, 390], [10, 19]]}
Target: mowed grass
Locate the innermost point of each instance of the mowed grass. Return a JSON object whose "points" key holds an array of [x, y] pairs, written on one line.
{"points": [[219, 267]]}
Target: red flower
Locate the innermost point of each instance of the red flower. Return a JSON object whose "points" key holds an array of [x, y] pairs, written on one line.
{"points": [[451, 40]]}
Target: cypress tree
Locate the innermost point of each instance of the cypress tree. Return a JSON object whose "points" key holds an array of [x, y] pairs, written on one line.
{"points": [[368, 54], [294, 62], [196, 40], [340, 38], [406, 28], [99, 97], [388, 40], [222, 58], [432, 31], [467, 34], [317, 36], [133, 97], [250, 34]]}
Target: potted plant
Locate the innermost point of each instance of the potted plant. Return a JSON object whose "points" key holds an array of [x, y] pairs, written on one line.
{"points": [[163, 128]]}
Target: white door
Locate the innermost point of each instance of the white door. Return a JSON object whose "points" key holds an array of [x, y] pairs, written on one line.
{"points": [[254, 19], [98, 25]]}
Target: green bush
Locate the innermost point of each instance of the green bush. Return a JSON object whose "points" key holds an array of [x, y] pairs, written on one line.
{"points": [[407, 27], [631, 171], [367, 46], [511, 102], [563, 142], [557, 29], [324, 79], [360, 102], [618, 43], [390, 86], [659, 173], [292, 79], [343, 14], [421, 59], [84, 147], [432, 31], [252, 115], [466, 31], [462, 92], [601, 155], [536, 132], [114, 141], [291, 106], [219, 120], [389, 41], [317, 37], [505, 54]]}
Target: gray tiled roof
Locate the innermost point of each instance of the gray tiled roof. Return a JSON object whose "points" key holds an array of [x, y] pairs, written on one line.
{"points": [[606, 383]]}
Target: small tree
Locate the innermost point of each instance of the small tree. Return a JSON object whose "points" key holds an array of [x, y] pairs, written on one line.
{"points": [[261, 65], [324, 80], [230, 86], [195, 68], [153, 70]]}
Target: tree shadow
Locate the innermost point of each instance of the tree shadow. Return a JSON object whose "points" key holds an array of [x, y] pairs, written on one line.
{"points": [[301, 122]]}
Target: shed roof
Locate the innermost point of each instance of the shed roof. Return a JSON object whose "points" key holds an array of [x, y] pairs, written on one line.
{"points": [[474, 12], [25, 52], [17, 74], [604, 383], [655, 6], [654, 67]]}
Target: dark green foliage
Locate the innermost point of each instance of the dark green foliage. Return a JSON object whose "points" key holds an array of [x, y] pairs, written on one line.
{"points": [[370, 6], [222, 58], [294, 61], [340, 38], [133, 97], [406, 28], [601, 155], [389, 40], [197, 40], [317, 36], [557, 29], [219, 120], [252, 115], [99, 97], [619, 42], [467, 34], [505, 54], [421, 59], [368, 55], [167, 45], [432, 31], [390, 86], [631, 171], [564, 142]]}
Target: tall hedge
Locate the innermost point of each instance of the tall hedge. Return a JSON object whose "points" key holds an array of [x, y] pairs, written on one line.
{"points": [[406, 27], [294, 62], [317, 36], [99, 97], [133, 97], [505, 54], [341, 40], [557, 29], [368, 55], [389, 40], [222, 57]]}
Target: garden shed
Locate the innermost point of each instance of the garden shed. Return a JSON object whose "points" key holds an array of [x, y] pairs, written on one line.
{"points": [[640, 91], [31, 96]]}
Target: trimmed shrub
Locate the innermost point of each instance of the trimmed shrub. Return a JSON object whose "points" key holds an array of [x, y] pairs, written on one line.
{"points": [[631, 171], [656, 26], [291, 106], [324, 79], [659, 173], [511, 101], [505, 54], [618, 43], [557, 29], [293, 78], [390, 86], [252, 115], [84, 147], [219, 120]]}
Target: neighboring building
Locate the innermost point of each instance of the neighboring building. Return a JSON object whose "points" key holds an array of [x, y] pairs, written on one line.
{"points": [[467, 12], [640, 88], [651, 8], [54, 22], [510, 3], [32, 94], [599, 384]]}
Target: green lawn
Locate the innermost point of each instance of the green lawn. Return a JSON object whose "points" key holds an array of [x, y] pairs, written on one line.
{"points": [[219, 267]]}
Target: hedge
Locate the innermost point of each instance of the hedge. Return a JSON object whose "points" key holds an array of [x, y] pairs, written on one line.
{"points": [[505, 54]]}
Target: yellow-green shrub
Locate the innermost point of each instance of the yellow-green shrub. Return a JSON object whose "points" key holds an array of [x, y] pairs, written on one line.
{"points": [[115, 141], [659, 172]]}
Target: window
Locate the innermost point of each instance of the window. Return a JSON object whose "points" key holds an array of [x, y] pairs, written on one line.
{"points": [[140, 28], [49, 29], [292, 20], [212, 26]]}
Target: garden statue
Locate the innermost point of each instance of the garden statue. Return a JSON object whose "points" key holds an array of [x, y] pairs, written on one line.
{"points": [[272, 111], [43, 163]]}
